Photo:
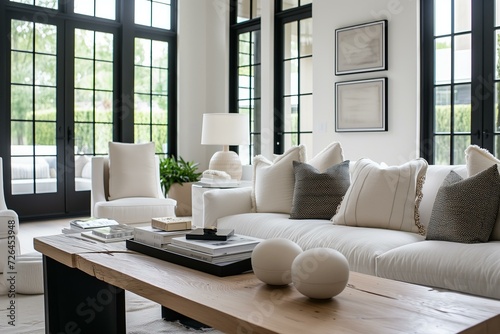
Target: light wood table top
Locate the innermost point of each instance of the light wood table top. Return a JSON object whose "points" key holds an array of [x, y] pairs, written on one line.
{"points": [[243, 304]]}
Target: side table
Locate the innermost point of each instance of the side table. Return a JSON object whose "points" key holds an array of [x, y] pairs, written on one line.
{"points": [[197, 191]]}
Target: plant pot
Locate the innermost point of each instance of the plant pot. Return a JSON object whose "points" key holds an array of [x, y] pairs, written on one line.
{"points": [[182, 194]]}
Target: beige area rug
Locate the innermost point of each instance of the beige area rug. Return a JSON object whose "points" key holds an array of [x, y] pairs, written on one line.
{"points": [[143, 317]]}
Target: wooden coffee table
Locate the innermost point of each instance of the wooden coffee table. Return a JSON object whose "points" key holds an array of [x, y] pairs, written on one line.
{"points": [[85, 283]]}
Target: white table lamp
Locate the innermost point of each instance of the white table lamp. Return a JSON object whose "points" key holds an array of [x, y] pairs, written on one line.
{"points": [[225, 129]]}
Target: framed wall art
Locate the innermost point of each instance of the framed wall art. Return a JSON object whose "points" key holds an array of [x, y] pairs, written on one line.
{"points": [[361, 48], [361, 105]]}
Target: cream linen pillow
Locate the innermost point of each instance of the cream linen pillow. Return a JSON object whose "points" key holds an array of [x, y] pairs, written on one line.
{"points": [[273, 182], [384, 197], [329, 156], [477, 160], [132, 170]]}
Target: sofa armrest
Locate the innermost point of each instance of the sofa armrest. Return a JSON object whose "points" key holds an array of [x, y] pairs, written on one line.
{"points": [[220, 203], [97, 189]]}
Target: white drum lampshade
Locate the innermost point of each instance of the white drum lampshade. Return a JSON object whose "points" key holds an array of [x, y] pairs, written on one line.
{"points": [[225, 129]]}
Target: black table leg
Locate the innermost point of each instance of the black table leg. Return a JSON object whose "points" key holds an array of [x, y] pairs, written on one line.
{"points": [[171, 315], [79, 303]]}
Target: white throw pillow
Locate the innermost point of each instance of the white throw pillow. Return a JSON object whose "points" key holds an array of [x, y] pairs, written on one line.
{"points": [[132, 170], [384, 197], [329, 156], [273, 182], [478, 159]]}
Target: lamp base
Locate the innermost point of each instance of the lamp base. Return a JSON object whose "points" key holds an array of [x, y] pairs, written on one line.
{"points": [[227, 161]]}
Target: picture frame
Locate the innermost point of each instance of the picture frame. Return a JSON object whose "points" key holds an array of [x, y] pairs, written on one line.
{"points": [[361, 48], [361, 105]]}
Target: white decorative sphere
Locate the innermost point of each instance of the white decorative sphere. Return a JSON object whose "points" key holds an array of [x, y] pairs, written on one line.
{"points": [[320, 273], [272, 260]]}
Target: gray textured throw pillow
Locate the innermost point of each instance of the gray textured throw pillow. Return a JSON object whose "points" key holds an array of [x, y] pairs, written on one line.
{"points": [[316, 195], [465, 210]]}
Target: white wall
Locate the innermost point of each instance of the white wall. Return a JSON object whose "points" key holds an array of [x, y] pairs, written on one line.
{"points": [[203, 75]]}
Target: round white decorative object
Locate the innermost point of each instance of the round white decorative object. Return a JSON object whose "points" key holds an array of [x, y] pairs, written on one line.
{"points": [[320, 273], [272, 260]]}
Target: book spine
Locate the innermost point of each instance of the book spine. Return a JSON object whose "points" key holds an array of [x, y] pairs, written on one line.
{"points": [[147, 238], [194, 255]]}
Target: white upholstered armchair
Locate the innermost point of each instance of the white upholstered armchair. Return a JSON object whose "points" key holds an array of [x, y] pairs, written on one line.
{"points": [[9, 226], [120, 189]]}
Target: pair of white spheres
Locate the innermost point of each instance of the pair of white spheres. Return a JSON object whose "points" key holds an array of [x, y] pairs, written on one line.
{"points": [[318, 273]]}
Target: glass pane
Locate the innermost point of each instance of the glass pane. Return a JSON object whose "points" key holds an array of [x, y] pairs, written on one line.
{"points": [[105, 135], [41, 3], [244, 11], [84, 43], [142, 107], [442, 150], [244, 49], [159, 110], [21, 133], [45, 134], [497, 54], [497, 12], [291, 114], [143, 12], [103, 46], [159, 81], [159, 137], [496, 146], [22, 35], [45, 70], [160, 54], [306, 75], [462, 106], [497, 108], [442, 17], [22, 174], [287, 4], [46, 38], [104, 75], [161, 16], [84, 105], [84, 7], [142, 77], [291, 77], [306, 113], [306, 37], [256, 9], [443, 60], [142, 54], [442, 109], [105, 9], [291, 47], [84, 73], [463, 15], [461, 144], [84, 137], [21, 102], [463, 58], [141, 133], [256, 81], [45, 103], [104, 106], [21, 67]]}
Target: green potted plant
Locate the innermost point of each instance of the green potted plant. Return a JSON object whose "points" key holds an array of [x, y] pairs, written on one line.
{"points": [[176, 178]]}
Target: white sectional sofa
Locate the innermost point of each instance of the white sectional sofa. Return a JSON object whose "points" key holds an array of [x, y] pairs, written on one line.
{"points": [[472, 268]]}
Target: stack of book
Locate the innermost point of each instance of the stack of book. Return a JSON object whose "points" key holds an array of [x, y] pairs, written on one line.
{"points": [[83, 225], [113, 233], [162, 230], [235, 248]]}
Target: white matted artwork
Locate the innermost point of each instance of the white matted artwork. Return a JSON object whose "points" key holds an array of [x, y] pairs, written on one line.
{"points": [[361, 105], [361, 48]]}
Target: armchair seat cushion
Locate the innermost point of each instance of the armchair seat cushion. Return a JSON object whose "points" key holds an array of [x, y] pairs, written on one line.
{"points": [[135, 209]]}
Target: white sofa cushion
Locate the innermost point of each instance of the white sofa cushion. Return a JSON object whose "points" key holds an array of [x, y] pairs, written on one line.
{"points": [[273, 182], [132, 170], [478, 159], [384, 196], [469, 268], [329, 156]]}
